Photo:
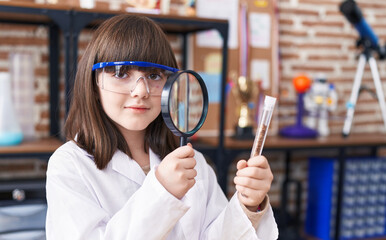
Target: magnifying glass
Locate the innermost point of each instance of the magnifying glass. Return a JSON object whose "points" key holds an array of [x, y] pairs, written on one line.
{"points": [[184, 104]]}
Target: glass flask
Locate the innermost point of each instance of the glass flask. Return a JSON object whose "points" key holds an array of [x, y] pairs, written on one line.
{"points": [[10, 131]]}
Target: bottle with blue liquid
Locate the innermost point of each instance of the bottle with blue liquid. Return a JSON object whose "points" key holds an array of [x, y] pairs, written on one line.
{"points": [[10, 130]]}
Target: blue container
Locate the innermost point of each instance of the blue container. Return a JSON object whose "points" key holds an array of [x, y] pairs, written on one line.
{"points": [[10, 138]]}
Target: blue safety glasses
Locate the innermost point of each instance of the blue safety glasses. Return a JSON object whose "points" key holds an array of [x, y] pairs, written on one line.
{"points": [[124, 77]]}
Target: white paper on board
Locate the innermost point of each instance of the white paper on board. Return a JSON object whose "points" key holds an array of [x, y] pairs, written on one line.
{"points": [[260, 30], [218, 9], [260, 72]]}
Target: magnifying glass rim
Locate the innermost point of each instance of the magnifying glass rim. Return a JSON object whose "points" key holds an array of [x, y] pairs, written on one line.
{"points": [[165, 98]]}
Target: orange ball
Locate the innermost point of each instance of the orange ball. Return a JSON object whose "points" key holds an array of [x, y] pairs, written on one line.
{"points": [[301, 83]]}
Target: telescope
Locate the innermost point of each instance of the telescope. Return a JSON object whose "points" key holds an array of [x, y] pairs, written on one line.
{"points": [[368, 38], [369, 41]]}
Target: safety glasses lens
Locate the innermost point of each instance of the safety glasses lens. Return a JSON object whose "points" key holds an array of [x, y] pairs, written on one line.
{"points": [[126, 79]]}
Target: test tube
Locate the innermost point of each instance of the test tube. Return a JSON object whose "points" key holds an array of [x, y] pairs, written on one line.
{"points": [[261, 132]]}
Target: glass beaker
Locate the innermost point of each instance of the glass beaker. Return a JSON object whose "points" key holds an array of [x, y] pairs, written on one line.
{"points": [[10, 131], [22, 71]]}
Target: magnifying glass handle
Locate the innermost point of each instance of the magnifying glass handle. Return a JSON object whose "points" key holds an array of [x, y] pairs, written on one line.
{"points": [[183, 141]]}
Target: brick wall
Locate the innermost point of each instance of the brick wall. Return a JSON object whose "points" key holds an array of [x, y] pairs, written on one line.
{"points": [[315, 37]]}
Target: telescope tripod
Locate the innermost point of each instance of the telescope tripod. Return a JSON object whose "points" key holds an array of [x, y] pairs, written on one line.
{"points": [[364, 57]]}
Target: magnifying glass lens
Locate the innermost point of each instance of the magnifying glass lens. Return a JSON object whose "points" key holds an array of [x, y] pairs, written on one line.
{"points": [[186, 102]]}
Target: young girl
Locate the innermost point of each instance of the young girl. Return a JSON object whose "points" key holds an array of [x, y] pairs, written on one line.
{"points": [[121, 175]]}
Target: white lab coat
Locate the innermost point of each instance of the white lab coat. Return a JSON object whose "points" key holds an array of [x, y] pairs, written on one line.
{"points": [[121, 202]]}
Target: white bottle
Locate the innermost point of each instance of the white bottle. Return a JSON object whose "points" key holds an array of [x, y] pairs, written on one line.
{"points": [[10, 131]]}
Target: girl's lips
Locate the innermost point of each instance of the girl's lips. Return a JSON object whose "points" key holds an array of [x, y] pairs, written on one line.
{"points": [[138, 108]]}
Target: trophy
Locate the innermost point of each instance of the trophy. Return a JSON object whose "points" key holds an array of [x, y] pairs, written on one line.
{"points": [[245, 92], [244, 89]]}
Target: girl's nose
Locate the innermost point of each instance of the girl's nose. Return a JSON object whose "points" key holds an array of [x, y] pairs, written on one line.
{"points": [[141, 88]]}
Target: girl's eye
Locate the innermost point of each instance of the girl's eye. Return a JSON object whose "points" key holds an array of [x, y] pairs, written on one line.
{"points": [[120, 74], [155, 76]]}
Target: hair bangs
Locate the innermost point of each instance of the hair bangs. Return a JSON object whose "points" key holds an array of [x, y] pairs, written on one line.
{"points": [[146, 43]]}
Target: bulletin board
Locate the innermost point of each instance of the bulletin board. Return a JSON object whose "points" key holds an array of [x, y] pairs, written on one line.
{"points": [[262, 61]]}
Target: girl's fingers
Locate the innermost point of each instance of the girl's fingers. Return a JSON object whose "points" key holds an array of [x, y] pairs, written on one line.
{"points": [[241, 164], [188, 163], [191, 183], [183, 152], [251, 183], [258, 161], [191, 173], [254, 172]]}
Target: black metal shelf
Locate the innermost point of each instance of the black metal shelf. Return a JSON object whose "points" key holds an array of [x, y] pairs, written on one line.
{"points": [[57, 20], [29, 190], [65, 25]]}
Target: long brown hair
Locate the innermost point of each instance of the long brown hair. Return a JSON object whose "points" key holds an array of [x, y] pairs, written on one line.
{"points": [[120, 38]]}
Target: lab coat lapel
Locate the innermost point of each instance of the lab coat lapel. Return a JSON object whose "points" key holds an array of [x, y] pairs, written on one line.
{"points": [[127, 167], [154, 159]]}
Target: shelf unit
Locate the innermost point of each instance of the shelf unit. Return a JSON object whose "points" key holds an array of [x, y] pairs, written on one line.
{"points": [[65, 24], [56, 19], [71, 21]]}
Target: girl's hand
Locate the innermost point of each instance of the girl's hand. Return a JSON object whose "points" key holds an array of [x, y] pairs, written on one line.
{"points": [[176, 171], [253, 180]]}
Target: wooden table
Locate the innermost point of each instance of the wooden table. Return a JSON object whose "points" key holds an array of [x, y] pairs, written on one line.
{"points": [[40, 148]]}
